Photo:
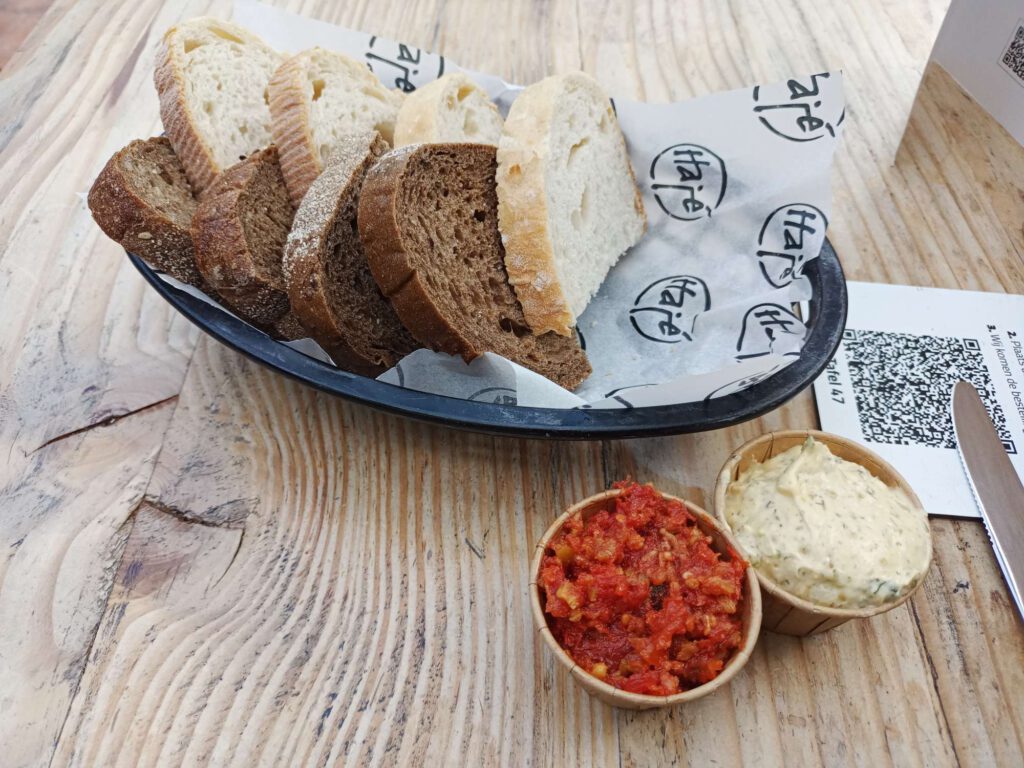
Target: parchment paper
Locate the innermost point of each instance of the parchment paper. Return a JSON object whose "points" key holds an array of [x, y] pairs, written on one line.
{"points": [[736, 190]]}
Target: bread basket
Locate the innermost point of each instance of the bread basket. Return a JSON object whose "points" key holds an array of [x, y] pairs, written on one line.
{"points": [[721, 542], [785, 613]]}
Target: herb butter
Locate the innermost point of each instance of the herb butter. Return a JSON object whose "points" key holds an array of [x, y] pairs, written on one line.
{"points": [[827, 530]]}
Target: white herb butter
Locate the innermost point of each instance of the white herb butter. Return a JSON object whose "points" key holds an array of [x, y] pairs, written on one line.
{"points": [[827, 530]]}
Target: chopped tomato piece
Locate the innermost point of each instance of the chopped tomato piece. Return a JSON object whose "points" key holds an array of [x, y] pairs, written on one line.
{"points": [[637, 595]]}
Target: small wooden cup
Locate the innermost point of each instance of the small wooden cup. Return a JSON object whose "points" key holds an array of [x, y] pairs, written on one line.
{"points": [[721, 541], [785, 613]]}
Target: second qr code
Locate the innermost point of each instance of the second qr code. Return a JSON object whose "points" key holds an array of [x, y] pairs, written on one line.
{"points": [[1013, 57]]}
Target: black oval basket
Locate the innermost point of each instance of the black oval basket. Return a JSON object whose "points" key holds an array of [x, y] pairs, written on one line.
{"points": [[825, 329]]}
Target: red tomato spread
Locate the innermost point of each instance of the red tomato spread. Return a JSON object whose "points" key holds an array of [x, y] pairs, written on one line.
{"points": [[638, 597]]}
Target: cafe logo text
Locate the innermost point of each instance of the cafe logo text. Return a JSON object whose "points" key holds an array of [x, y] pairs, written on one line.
{"points": [[667, 310], [801, 110], [688, 181], [402, 67], [792, 235]]}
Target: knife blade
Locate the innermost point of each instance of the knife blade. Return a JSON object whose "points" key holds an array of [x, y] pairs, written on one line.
{"points": [[997, 488]]}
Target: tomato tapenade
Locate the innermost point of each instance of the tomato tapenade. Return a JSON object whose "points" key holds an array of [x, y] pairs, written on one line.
{"points": [[638, 598]]}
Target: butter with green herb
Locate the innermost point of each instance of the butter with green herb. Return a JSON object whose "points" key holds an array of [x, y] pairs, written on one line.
{"points": [[828, 531]]}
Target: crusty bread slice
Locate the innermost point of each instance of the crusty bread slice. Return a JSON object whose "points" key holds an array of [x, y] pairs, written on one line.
{"points": [[451, 109], [240, 229], [288, 328], [330, 285], [317, 98], [212, 78], [429, 224], [142, 200], [568, 204]]}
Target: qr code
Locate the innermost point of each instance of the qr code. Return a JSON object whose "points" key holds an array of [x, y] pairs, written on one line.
{"points": [[1013, 56], [902, 386]]}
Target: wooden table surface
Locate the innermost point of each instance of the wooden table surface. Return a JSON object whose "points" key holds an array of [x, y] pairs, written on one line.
{"points": [[202, 561]]}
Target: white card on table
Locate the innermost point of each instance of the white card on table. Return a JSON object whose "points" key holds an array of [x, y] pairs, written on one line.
{"points": [[981, 44], [889, 384]]}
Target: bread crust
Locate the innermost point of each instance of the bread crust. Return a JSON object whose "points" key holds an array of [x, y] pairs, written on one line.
{"points": [[131, 220], [194, 153], [523, 207], [399, 280], [310, 244], [197, 156], [308, 294], [293, 120], [288, 328], [222, 252], [292, 128], [523, 210]]}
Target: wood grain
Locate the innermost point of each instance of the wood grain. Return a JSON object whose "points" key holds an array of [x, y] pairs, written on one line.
{"points": [[335, 609], [92, 366], [17, 18], [210, 564]]}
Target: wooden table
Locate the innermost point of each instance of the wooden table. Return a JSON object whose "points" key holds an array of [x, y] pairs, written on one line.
{"points": [[202, 561]]}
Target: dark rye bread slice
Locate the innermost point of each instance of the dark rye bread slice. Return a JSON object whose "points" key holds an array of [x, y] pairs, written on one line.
{"points": [[428, 218], [330, 285], [240, 229], [142, 200]]}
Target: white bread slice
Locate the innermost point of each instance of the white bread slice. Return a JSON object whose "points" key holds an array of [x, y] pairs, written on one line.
{"points": [[212, 77], [451, 109], [317, 98], [568, 204]]}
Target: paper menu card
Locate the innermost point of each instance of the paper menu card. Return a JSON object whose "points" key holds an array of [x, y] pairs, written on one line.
{"points": [[981, 44], [890, 383]]}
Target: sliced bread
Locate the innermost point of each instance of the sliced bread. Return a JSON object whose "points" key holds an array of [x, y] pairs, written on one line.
{"points": [[429, 224], [319, 98], [288, 328], [240, 229], [451, 109], [212, 78], [329, 282], [142, 200], [568, 204]]}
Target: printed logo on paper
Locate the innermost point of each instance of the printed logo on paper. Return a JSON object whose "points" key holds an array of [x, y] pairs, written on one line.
{"points": [[616, 395], [765, 329], [801, 110], [688, 181], [496, 395], [399, 66], [791, 236], [667, 309], [740, 384]]}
